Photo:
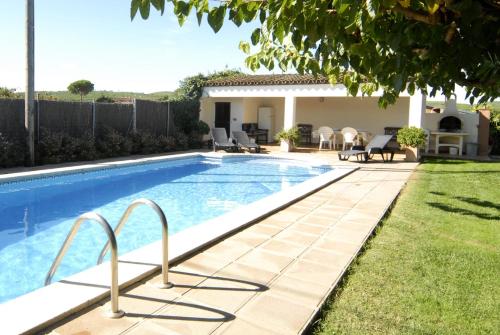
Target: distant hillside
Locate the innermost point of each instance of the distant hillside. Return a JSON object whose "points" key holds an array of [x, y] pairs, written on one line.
{"points": [[66, 96], [495, 105]]}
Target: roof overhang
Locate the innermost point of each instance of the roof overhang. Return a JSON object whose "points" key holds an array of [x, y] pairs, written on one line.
{"points": [[303, 90]]}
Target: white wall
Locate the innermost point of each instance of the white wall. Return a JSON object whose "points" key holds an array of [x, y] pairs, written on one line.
{"points": [[470, 123], [251, 107], [207, 111], [360, 113]]}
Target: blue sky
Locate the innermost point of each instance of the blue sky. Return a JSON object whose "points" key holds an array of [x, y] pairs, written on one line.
{"points": [[96, 40]]}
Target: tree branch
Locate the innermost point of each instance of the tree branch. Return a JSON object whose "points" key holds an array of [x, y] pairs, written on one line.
{"points": [[411, 14], [450, 32]]}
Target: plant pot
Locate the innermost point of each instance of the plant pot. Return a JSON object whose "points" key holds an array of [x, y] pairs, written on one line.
{"points": [[412, 154], [286, 146]]}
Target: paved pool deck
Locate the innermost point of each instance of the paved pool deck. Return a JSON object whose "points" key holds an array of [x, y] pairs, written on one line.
{"points": [[270, 278]]}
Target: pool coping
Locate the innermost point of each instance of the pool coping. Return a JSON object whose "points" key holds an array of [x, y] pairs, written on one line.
{"points": [[92, 285]]}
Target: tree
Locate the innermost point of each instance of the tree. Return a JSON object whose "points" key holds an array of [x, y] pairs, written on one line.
{"points": [[185, 102], [367, 44], [7, 93], [105, 99], [82, 87], [191, 87]]}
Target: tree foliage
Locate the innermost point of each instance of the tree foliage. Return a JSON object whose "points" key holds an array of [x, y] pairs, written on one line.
{"points": [[191, 88], [389, 44], [105, 99], [82, 87], [7, 93], [412, 137], [185, 102]]}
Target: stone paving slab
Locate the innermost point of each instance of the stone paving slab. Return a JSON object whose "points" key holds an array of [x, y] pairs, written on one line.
{"points": [[270, 278]]}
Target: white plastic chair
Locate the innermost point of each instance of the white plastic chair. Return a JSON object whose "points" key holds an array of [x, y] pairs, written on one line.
{"points": [[349, 134], [325, 137]]}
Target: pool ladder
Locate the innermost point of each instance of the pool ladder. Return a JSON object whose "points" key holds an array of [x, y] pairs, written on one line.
{"points": [[112, 244]]}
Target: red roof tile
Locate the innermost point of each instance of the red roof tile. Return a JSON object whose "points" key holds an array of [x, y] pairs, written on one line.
{"points": [[273, 79]]}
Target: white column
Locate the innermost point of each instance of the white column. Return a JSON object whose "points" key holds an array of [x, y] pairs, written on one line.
{"points": [[290, 109], [416, 109]]}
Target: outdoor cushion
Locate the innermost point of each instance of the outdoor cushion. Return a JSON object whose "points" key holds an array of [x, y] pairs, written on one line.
{"points": [[220, 140], [243, 141], [376, 146]]}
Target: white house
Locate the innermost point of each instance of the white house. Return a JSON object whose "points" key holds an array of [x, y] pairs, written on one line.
{"points": [[283, 101]]}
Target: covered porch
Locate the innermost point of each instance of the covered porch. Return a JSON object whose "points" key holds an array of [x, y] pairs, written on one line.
{"points": [[266, 104]]}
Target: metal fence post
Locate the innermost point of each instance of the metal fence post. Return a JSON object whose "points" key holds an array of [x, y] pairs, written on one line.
{"points": [[93, 118], [134, 116], [168, 117], [37, 117]]}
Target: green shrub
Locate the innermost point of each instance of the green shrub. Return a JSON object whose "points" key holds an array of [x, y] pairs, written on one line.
{"points": [[185, 114], [495, 132], [292, 135], [203, 128], [166, 143], [182, 141], [86, 147], [111, 143], [104, 99], [144, 142], [412, 137], [185, 103], [12, 153], [60, 147], [50, 147]]}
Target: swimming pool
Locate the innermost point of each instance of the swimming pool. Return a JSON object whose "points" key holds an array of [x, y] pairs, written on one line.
{"points": [[37, 214]]}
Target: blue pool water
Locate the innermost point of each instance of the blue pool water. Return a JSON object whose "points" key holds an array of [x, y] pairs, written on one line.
{"points": [[36, 214]]}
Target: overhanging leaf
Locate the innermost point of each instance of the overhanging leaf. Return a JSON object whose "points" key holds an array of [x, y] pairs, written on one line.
{"points": [[144, 9], [255, 36], [134, 7], [245, 47], [216, 17]]}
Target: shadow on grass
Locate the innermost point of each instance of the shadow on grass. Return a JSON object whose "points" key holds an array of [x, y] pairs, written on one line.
{"points": [[448, 172], [478, 202], [463, 211], [469, 200], [454, 161], [439, 161]]}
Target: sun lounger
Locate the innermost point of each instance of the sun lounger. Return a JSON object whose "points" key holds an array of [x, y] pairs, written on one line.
{"points": [[243, 141], [376, 146], [220, 140]]}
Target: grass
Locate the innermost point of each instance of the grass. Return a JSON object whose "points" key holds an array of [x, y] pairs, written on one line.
{"points": [[66, 96], [434, 265]]}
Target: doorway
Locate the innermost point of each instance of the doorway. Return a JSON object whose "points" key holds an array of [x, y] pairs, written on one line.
{"points": [[223, 116]]}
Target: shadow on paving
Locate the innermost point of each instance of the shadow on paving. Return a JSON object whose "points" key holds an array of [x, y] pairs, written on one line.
{"points": [[224, 316]]}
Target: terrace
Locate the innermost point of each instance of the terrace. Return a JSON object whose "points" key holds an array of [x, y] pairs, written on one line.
{"points": [[271, 277]]}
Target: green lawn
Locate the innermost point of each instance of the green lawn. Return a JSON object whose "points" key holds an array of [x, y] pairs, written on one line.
{"points": [[434, 265]]}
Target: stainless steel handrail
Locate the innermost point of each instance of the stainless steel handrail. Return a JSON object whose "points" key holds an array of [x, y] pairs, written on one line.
{"points": [[164, 236], [90, 216]]}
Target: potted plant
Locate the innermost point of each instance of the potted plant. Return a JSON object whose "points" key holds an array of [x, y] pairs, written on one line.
{"points": [[412, 138], [288, 138]]}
